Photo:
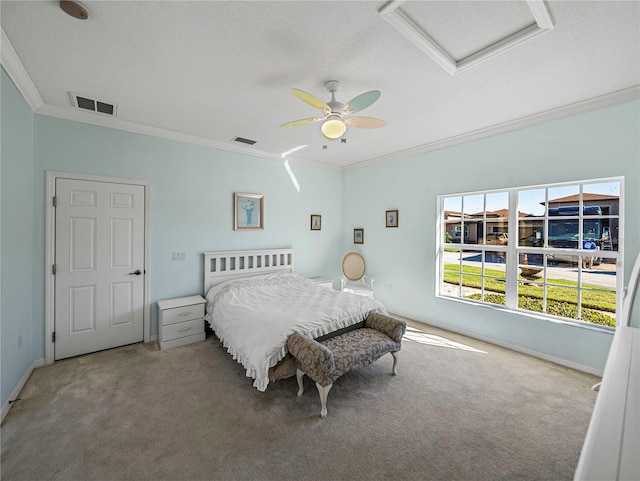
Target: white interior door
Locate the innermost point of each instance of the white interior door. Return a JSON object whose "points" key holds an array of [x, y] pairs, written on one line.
{"points": [[99, 266]]}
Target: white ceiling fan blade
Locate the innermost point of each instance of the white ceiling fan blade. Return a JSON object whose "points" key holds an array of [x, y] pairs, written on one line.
{"points": [[361, 102], [297, 123], [312, 100], [365, 122]]}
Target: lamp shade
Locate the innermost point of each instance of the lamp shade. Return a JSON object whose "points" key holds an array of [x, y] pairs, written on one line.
{"points": [[333, 128]]}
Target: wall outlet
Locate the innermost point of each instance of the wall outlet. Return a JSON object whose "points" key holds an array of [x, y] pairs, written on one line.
{"points": [[177, 256], [19, 341], [390, 287]]}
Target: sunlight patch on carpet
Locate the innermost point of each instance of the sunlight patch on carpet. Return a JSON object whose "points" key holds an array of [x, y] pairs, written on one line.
{"points": [[413, 334]]}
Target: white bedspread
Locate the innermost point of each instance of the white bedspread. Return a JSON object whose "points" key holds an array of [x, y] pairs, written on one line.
{"points": [[253, 317]]}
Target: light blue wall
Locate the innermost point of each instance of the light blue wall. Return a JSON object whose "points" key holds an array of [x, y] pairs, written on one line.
{"points": [[191, 211], [192, 202], [16, 321], [599, 144]]}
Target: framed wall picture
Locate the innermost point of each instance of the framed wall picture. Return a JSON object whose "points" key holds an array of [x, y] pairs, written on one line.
{"points": [[249, 211], [316, 222], [392, 218], [358, 236]]}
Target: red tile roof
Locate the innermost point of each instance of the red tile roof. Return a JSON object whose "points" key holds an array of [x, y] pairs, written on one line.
{"points": [[585, 196]]}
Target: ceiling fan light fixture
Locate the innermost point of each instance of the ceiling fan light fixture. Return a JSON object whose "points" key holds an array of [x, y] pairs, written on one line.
{"points": [[333, 129], [337, 116]]}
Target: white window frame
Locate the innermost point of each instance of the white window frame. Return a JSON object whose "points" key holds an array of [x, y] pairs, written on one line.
{"points": [[512, 250]]}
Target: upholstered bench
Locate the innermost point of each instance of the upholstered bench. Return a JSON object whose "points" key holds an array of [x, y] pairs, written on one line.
{"points": [[327, 360]]}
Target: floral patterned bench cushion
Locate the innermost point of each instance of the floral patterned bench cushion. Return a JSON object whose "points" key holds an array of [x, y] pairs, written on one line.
{"points": [[357, 349], [326, 361]]}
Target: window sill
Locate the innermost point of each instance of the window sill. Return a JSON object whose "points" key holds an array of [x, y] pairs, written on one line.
{"points": [[532, 315]]}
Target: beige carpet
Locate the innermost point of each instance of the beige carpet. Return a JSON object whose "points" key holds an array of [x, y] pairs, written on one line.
{"points": [[460, 409]]}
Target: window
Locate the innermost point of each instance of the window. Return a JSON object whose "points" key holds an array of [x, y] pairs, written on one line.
{"points": [[551, 250], [458, 230]]}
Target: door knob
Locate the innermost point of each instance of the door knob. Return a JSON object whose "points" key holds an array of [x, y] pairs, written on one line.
{"points": [[135, 273]]}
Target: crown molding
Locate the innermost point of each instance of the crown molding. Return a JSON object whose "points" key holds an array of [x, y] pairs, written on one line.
{"points": [[100, 120], [596, 103], [18, 74]]}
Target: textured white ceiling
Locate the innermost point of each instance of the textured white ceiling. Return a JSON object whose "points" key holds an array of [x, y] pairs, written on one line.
{"points": [[209, 71]]}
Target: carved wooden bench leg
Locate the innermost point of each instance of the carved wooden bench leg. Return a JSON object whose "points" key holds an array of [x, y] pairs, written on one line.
{"points": [[395, 363], [299, 376], [323, 391]]}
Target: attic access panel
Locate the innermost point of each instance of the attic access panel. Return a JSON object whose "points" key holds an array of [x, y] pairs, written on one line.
{"points": [[509, 18]]}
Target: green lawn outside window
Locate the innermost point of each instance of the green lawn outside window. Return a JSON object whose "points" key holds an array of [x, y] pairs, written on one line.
{"points": [[561, 301]]}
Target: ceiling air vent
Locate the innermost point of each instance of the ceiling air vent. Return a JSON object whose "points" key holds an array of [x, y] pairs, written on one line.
{"points": [[244, 141], [86, 103]]}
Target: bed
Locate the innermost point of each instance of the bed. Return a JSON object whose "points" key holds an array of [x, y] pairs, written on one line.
{"points": [[255, 300]]}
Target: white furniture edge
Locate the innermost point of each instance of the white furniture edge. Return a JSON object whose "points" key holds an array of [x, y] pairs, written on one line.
{"points": [[610, 449], [182, 341], [633, 290], [321, 281], [611, 446], [16, 391], [224, 266], [176, 303]]}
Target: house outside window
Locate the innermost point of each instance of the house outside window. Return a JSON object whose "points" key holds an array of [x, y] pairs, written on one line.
{"points": [[551, 250]]}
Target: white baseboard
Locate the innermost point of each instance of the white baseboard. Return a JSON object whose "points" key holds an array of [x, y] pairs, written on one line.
{"points": [[16, 392], [512, 347]]}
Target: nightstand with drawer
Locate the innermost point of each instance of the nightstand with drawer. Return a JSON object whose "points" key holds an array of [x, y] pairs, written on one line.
{"points": [[321, 281], [180, 321]]}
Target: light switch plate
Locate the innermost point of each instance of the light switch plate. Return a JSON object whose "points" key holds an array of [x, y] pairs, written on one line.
{"points": [[177, 256]]}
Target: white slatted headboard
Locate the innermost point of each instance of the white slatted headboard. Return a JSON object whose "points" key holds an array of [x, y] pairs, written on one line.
{"points": [[228, 265]]}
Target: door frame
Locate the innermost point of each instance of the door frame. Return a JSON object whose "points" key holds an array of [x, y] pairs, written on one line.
{"points": [[52, 176]]}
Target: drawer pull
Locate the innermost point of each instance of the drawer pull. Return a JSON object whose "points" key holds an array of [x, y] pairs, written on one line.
{"points": [[184, 329], [182, 314]]}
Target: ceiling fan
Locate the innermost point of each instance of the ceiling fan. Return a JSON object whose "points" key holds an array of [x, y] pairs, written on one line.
{"points": [[336, 115]]}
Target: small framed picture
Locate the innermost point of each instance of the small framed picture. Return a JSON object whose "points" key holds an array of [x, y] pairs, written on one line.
{"points": [[392, 218], [316, 222], [249, 211], [358, 236]]}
